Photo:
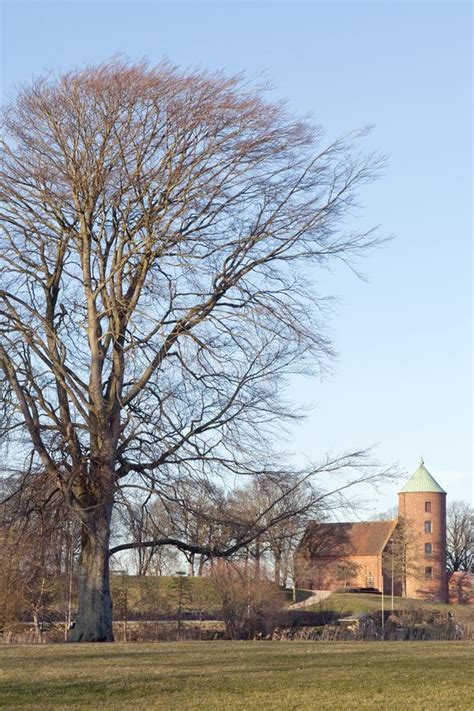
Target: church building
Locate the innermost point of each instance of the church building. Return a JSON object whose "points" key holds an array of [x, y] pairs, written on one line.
{"points": [[407, 554]]}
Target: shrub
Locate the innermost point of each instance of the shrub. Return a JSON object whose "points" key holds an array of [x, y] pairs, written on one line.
{"points": [[249, 604]]}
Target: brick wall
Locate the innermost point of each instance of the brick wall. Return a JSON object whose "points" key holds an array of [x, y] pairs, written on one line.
{"points": [[461, 588], [427, 577], [332, 573]]}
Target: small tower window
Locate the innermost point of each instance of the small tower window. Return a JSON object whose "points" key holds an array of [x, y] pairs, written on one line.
{"points": [[428, 571], [428, 549], [427, 506], [428, 527]]}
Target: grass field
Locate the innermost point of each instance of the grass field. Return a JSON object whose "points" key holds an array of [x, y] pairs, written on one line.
{"points": [[392, 676], [353, 603], [148, 594]]}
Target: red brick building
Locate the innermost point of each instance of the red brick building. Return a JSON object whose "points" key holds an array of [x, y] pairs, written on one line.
{"points": [[461, 588], [341, 555], [422, 504], [367, 554]]}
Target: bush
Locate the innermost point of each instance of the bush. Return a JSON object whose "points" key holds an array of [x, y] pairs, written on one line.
{"points": [[250, 605]]}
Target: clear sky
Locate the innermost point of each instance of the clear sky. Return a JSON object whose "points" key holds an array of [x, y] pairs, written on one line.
{"points": [[404, 338]]}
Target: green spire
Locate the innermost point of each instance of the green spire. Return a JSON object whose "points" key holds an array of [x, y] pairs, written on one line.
{"points": [[421, 480]]}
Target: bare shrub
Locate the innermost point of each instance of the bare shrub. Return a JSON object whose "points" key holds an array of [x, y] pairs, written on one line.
{"points": [[249, 606]]}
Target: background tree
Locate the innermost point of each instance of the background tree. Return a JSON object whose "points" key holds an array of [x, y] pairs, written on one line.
{"points": [[284, 509], [195, 514], [144, 521], [400, 557], [157, 234], [460, 536], [38, 557], [346, 571], [249, 605], [182, 597]]}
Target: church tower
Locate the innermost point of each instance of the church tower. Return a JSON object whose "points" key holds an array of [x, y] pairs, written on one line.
{"points": [[422, 505]]}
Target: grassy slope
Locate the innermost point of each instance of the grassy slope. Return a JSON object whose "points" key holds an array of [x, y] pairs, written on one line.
{"points": [[354, 603], [153, 593], [238, 675], [150, 594]]}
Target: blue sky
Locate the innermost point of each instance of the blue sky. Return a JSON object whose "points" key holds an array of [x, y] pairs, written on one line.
{"points": [[402, 379]]}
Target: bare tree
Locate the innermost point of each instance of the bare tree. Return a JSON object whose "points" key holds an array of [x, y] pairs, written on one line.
{"points": [[38, 554], [144, 521], [460, 537], [195, 513], [249, 605], [346, 571], [285, 511], [157, 232], [400, 557], [189, 513]]}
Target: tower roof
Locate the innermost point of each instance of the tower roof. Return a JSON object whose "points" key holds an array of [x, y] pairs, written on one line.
{"points": [[421, 480]]}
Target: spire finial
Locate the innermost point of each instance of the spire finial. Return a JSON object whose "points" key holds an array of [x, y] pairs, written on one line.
{"points": [[422, 461]]}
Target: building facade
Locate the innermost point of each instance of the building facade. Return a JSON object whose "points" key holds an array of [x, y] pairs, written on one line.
{"points": [[342, 555], [406, 555], [422, 505]]}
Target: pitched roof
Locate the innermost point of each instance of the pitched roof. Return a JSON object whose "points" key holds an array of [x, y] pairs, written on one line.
{"points": [[421, 480], [349, 538]]}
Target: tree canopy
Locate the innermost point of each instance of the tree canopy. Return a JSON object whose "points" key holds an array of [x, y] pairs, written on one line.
{"points": [[157, 228]]}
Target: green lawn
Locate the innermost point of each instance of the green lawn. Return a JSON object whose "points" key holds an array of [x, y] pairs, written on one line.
{"points": [[150, 594], [435, 676], [353, 603]]}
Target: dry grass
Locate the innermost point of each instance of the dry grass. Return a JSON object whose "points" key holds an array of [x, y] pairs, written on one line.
{"points": [[353, 603], [240, 675]]}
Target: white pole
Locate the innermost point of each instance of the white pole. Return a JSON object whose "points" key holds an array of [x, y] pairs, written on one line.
{"points": [[383, 608], [392, 576]]}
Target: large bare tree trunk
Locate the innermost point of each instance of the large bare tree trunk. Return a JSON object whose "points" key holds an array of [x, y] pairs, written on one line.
{"points": [[94, 620]]}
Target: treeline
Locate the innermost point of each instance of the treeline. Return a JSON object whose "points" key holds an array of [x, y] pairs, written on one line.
{"points": [[40, 545]]}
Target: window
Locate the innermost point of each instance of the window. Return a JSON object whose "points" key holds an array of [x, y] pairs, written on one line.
{"points": [[428, 528], [428, 549], [428, 572], [427, 506]]}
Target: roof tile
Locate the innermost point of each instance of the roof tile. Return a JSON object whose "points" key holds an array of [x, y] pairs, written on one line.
{"points": [[350, 538]]}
